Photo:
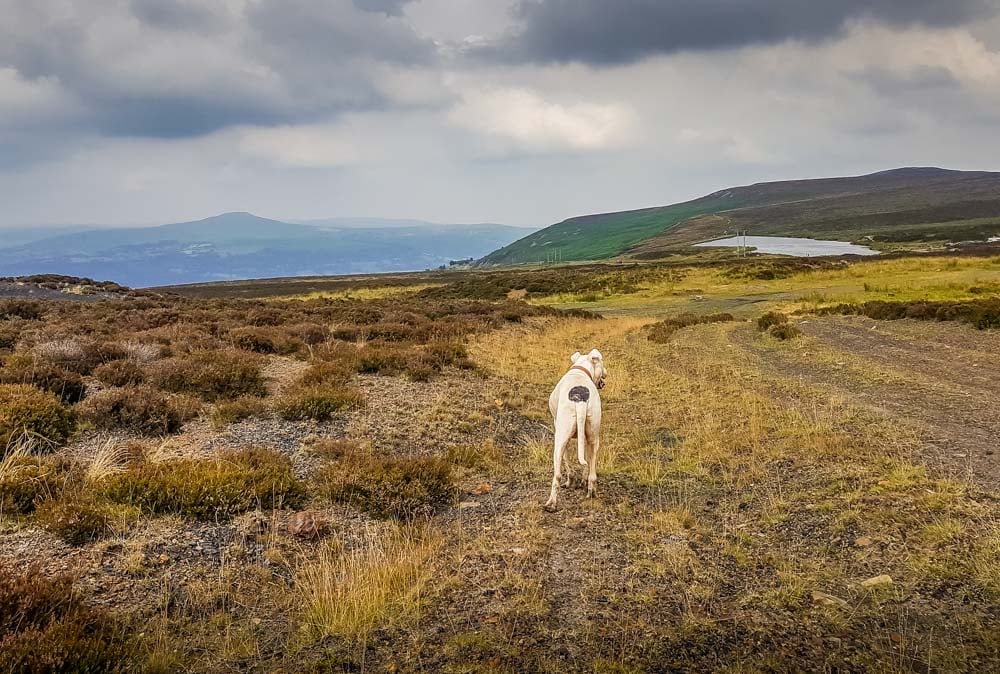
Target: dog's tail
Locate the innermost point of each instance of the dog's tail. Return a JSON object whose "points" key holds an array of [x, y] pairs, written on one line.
{"points": [[581, 427]]}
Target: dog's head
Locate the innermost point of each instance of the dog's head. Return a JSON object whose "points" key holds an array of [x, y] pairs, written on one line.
{"points": [[592, 362]]}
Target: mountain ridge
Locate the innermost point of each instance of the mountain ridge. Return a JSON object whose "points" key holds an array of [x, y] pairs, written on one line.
{"points": [[238, 244], [928, 190]]}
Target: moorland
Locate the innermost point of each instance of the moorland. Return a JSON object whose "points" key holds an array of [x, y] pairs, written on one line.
{"points": [[798, 471]]}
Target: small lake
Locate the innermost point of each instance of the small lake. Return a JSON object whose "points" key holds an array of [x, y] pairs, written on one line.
{"points": [[785, 245]]}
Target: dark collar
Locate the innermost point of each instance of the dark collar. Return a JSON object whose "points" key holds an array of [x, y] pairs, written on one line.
{"points": [[598, 384]]}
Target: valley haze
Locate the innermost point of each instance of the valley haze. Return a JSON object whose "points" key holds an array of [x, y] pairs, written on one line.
{"points": [[243, 245]]}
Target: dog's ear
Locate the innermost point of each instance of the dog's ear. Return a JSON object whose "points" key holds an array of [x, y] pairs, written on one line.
{"points": [[595, 355], [573, 358]]}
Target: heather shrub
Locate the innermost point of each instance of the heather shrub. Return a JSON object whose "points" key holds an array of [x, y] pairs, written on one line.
{"points": [[26, 481], [661, 332], [119, 373], [209, 488], [46, 628], [10, 333], [982, 314], [449, 353], [325, 372], [28, 310], [309, 333], [404, 488], [770, 319], [421, 366], [785, 331], [136, 408], [29, 412], [332, 449], [379, 358], [227, 412], [210, 374], [258, 340], [318, 403], [80, 356], [79, 519], [28, 369]]}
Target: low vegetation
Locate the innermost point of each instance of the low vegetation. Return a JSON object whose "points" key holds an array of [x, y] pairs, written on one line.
{"points": [[45, 626], [28, 413], [662, 331], [141, 409], [29, 369], [212, 375], [209, 489], [347, 593], [979, 313], [317, 403], [402, 488], [227, 412], [771, 505], [26, 481], [80, 518]]}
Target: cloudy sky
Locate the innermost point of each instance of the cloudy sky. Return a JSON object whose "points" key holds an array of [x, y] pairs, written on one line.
{"points": [[522, 112]]}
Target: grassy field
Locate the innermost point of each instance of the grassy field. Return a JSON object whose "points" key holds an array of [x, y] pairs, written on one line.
{"points": [[353, 480], [748, 289]]}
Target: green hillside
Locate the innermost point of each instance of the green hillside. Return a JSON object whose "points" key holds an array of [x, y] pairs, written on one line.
{"points": [[595, 237], [909, 204]]}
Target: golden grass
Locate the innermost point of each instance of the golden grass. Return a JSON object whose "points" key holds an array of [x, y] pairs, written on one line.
{"points": [[109, 458], [703, 289], [700, 417], [348, 592], [377, 293]]}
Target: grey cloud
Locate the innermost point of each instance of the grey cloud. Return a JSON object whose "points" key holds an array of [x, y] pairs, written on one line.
{"points": [[177, 14], [624, 31], [920, 80], [180, 68], [388, 7]]}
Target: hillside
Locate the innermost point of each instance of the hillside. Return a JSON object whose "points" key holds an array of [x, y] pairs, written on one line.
{"points": [[243, 245], [908, 204]]}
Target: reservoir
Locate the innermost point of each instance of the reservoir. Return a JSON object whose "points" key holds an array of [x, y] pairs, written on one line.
{"points": [[783, 245]]}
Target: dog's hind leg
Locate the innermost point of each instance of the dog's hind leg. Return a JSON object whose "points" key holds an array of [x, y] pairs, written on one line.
{"points": [[595, 444], [562, 437]]}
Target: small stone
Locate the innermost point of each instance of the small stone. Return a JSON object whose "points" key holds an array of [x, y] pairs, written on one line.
{"points": [[896, 637], [163, 559], [824, 599], [877, 581], [518, 551], [306, 524], [464, 505], [862, 541], [484, 488]]}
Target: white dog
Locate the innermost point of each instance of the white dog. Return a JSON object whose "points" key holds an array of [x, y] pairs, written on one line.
{"points": [[576, 408]]}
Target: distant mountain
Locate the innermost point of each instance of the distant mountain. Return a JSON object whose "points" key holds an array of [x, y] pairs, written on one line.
{"points": [[377, 223], [243, 245], [908, 204], [18, 236]]}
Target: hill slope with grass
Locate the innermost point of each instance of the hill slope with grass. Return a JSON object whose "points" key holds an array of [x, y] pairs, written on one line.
{"points": [[907, 204]]}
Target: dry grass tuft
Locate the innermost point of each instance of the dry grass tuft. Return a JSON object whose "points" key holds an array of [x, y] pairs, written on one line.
{"points": [[349, 591]]}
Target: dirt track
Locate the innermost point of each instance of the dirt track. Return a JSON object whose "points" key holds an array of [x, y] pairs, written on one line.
{"points": [[942, 378]]}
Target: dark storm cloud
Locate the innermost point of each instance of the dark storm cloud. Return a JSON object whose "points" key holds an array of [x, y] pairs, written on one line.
{"points": [[624, 31], [181, 68]]}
